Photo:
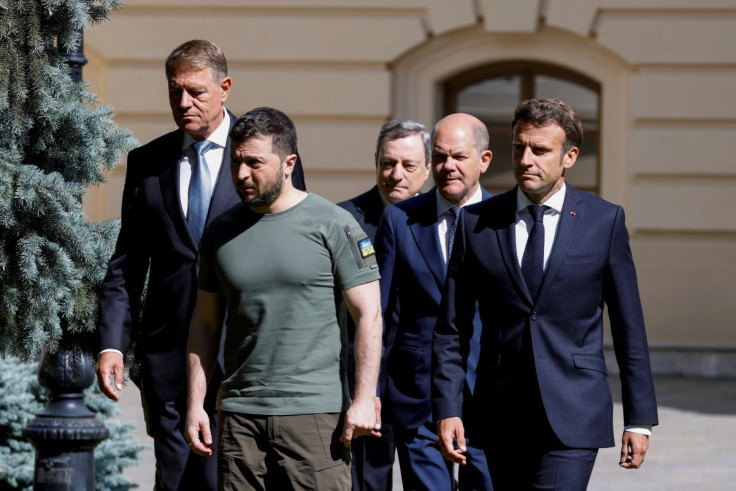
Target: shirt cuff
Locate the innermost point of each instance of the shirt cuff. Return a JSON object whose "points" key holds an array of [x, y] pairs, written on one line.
{"points": [[110, 350], [641, 429]]}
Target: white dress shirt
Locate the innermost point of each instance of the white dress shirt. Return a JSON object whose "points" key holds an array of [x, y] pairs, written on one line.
{"points": [[524, 225], [213, 157]]}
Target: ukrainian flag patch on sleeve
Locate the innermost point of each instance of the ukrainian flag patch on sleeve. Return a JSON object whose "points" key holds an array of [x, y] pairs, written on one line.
{"points": [[365, 247], [362, 247]]}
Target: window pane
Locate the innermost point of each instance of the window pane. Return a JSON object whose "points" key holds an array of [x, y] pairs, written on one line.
{"points": [[493, 102], [494, 99], [585, 102]]}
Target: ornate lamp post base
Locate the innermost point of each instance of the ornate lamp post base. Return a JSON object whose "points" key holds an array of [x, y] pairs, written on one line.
{"points": [[65, 433]]}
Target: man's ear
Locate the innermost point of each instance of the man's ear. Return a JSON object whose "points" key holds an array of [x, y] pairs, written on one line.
{"points": [[570, 157], [289, 163], [225, 84], [485, 160]]}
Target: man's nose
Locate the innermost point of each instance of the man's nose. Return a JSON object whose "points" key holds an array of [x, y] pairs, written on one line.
{"points": [[242, 172], [526, 157], [397, 173], [185, 100], [450, 165]]}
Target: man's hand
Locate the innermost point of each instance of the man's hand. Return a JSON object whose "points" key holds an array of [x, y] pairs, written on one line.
{"points": [[451, 439], [198, 423], [376, 431], [633, 449], [110, 366], [361, 419]]}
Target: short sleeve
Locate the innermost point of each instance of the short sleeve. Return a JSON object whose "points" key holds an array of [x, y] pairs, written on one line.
{"points": [[354, 258]]}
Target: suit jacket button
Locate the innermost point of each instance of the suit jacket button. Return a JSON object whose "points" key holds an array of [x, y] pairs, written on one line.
{"points": [[534, 316]]}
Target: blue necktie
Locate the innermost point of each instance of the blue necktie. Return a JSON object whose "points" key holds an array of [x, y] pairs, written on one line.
{"points": [[532, 262], [455, 210], [200, 191]]}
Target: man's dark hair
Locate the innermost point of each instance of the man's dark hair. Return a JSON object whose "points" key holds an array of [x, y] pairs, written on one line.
{"points": [[198, 54], [263, 122], [404, 128], [546, 112]]}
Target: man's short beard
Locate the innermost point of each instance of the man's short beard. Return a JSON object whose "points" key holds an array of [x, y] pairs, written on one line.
{"points": [[269, 195]]}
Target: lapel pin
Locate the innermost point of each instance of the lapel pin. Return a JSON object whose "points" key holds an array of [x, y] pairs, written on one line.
{"points": [[573, 213]]}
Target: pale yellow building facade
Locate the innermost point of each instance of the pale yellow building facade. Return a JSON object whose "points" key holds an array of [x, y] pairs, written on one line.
{"points": [[654, 79]]}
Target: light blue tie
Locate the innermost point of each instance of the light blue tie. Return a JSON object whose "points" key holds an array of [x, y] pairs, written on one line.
{"points": [[200, 191]]}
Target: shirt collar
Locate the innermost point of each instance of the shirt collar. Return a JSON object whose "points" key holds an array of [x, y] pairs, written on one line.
{"points": [[384, 200], [218, 137], [443, 205], [555, 201]]}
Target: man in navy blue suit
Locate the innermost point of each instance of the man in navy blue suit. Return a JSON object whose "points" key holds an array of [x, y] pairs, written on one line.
{"points": [[412, 246], [162, 218], [538, 263], [402, 167]]}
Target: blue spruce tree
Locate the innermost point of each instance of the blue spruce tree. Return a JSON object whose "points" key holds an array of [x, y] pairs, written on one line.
{"points": [[56, 140]]}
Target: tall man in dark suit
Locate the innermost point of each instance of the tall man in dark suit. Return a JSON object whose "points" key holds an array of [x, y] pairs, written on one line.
{"points": [[402, 167], [174, 185], [541, 261], [412, 245]]}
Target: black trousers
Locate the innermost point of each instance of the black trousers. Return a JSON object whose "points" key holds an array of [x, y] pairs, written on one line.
{"points": [[523, 452], [177, 467], [373, 460]]}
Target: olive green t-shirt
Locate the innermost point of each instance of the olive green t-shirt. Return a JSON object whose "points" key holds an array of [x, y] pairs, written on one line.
{"points": [[281, 276]]}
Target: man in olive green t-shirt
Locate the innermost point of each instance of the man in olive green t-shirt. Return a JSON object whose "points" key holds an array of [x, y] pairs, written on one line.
{"points": [[274, 264]]}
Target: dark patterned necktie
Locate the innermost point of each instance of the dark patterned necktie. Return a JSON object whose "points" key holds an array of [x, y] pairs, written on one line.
{"points": [[200, 191], [455, 210], [532, 262]]}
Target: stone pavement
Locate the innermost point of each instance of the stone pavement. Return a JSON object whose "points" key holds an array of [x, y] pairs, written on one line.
{"points": [[693, 448]]}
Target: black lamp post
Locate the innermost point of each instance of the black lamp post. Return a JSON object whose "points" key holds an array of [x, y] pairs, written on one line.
{"points": [[75, 58], [65, 433]]}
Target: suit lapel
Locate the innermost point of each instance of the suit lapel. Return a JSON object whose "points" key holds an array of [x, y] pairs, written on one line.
{"points": [[573, 210], [169, 184], [423, 226], [507, 241], [373, 206], [223, 194], [370, 209]]}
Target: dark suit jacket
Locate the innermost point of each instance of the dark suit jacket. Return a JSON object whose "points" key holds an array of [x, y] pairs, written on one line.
{"points": [[366, 208], [412, 275], [155, 240], [555, 342]]}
